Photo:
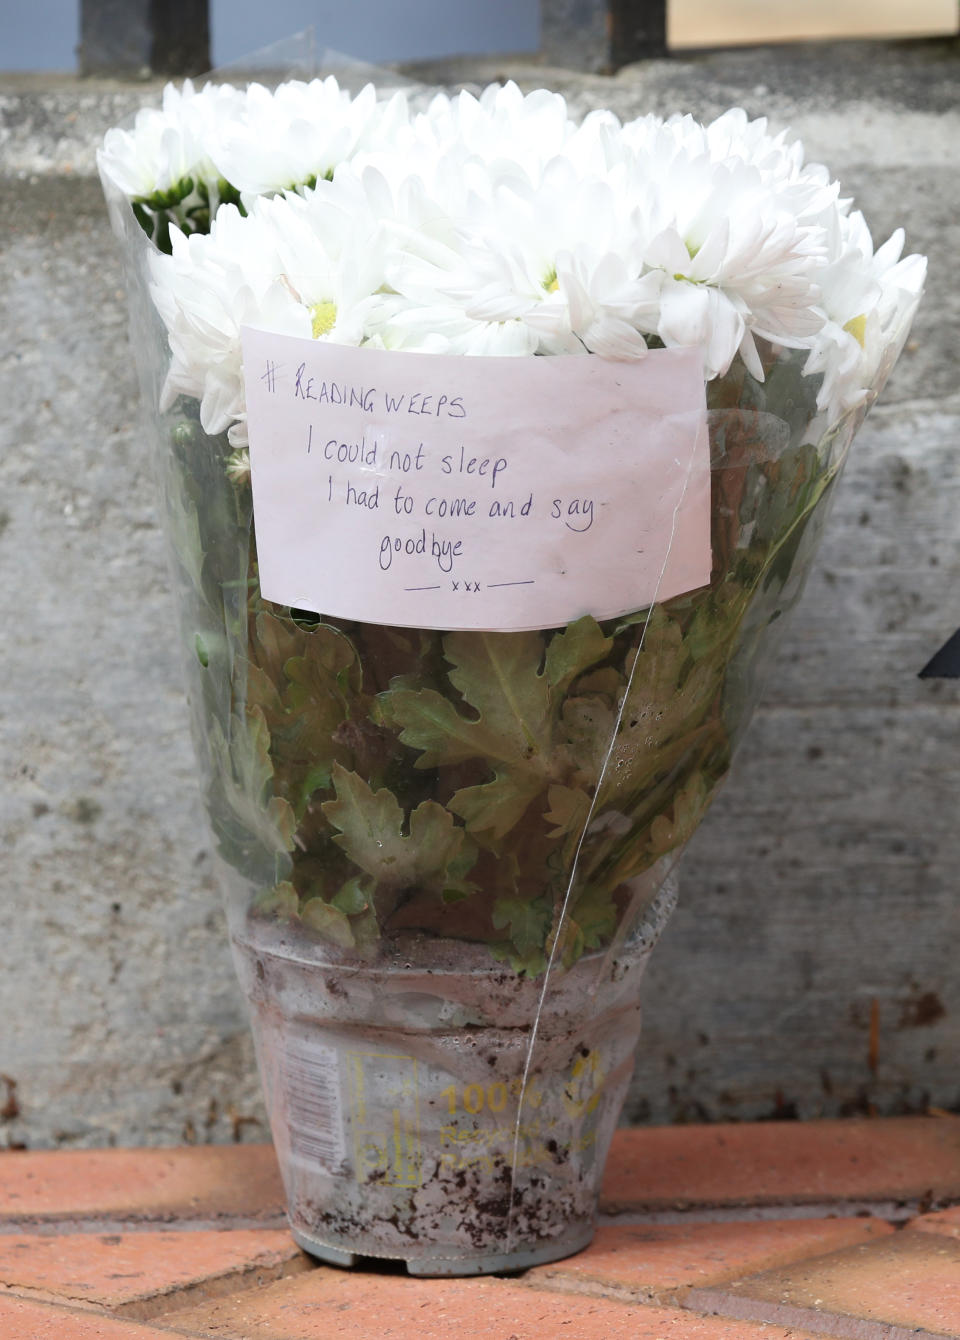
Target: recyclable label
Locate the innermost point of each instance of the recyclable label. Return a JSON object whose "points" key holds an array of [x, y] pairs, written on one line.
{"points": [[485, 1124], [385, 1118], [436, 491]]}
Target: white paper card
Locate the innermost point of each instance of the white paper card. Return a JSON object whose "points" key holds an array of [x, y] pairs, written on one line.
{"points": [[437, 491]]}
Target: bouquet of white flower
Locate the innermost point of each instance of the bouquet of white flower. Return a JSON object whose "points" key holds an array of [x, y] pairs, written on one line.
{"points": [[499, 227], [378, 786]]}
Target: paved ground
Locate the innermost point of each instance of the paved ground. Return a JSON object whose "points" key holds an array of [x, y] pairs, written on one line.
{"points": [[811, 967], [785, 1230]]}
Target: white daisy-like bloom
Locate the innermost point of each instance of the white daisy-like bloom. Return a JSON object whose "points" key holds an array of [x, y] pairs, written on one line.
{"points": [[557, 255], [734, 240], [297, 135], [509, 131], [869, 298], [169, 144], [445, 329], [278, 268], [205, 291], [500, 265], [385, 242], [331, 261], [496, 225]]}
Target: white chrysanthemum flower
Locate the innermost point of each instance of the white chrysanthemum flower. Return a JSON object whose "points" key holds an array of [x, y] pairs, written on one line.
{"points": [[273, 269], [869, 299], [295, 136], [205, 291], [336, 273], [607, 306], [749, 276], [445, 329], [169, 144], [504, 128], [736, 243], [558, 256], [495, 225]]}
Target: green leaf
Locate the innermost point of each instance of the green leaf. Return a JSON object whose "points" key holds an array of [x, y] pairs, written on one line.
{"points": [[608, 682], [313, 709], [528, 923], [587, 729], [370, 827], [280, 901], [329, 657], [529, 965], [352, 898], [262, 693], [317, 779], [595, 914], [277, 640], [492, 809], [788, 482], [716, 620], [451, 896], [307, 686], [499, 675], [245, 773], [569, 807], [668, 699], [327, 921], [322, 681], [579, 645], [689, 805], [429, 722], [638, 619], [438, 847], [142, 217]]}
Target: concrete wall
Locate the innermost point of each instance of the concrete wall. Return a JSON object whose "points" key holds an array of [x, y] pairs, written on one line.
{"points": [[811, 967]]}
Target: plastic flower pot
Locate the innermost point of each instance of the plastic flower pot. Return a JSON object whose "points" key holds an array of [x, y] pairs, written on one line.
{"points": [[408, 1118], [447, 850]]}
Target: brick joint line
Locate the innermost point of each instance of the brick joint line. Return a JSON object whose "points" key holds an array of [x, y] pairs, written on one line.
{"points": [[894, 1211], [51, 1226], [716, 1302]]}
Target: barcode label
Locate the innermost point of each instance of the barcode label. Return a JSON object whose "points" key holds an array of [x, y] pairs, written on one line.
{"points": [[311, 1075]]}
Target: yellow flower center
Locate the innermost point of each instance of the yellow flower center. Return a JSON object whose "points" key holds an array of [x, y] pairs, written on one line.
{"points": [[857, 327], [324, 315], [550, 282]]}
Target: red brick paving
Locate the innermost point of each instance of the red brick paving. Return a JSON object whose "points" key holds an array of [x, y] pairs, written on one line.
{"points": [[910, 1281], [24, 1320], [946, 1221], [196, 1182], [654, 1259], [783, 1163], [142, 1273], [139, 1244], [330, 1304]]}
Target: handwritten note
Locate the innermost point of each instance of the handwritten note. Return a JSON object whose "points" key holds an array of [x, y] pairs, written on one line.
{"points": [[436, 491]]}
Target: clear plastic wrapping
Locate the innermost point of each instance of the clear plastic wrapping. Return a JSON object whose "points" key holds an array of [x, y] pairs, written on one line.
{"points": [[446, 855]]}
